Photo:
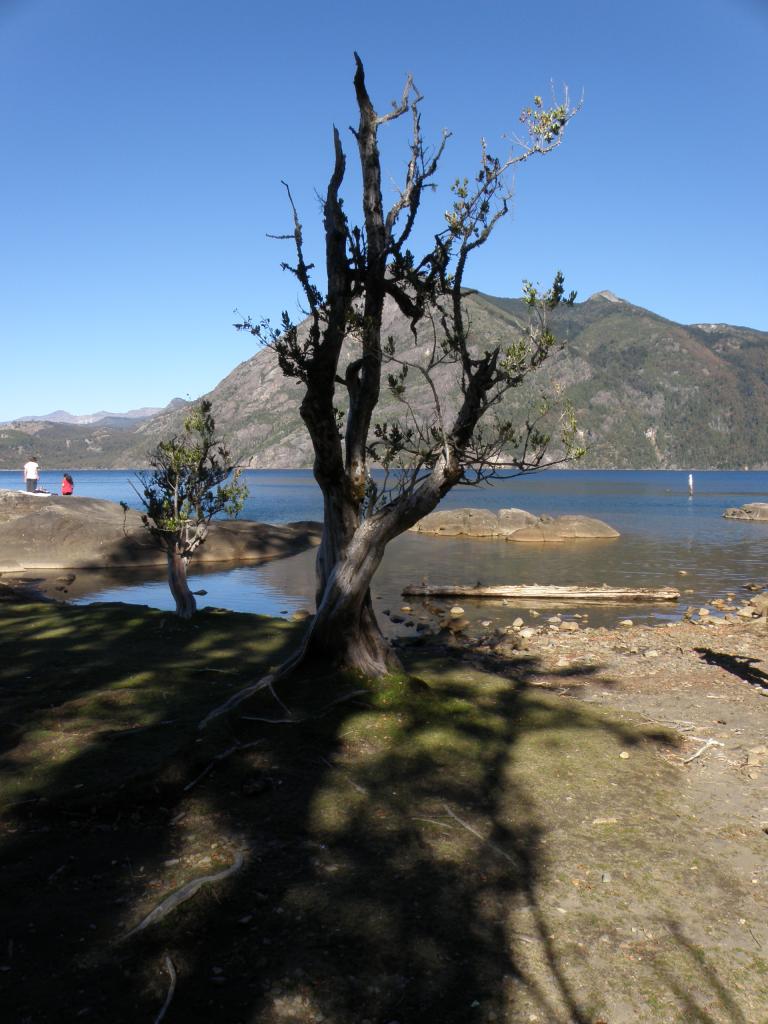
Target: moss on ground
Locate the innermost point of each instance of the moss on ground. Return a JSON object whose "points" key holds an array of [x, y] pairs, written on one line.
{"points": [[448, 844]]}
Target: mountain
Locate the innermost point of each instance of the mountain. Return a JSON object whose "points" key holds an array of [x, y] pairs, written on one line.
{"points": [[648, 394], [112, 418], [98, 444], [651, 393]]}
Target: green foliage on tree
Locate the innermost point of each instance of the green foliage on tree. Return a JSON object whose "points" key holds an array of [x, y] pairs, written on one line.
{"points": [[193, 478]]}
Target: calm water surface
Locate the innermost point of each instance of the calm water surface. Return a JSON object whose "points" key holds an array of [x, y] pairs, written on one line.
{"points": [[664, 533]]}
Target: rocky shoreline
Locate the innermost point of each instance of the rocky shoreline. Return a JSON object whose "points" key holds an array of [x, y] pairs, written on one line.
{"points": [[50, 533], [560, 642]]}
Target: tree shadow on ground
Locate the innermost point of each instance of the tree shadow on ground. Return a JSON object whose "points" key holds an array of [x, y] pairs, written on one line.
{"points": [[393, 842], [742, 668], [701, 1007]]}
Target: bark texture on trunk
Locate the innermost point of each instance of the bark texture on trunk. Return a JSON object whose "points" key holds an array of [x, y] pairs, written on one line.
{"points": [[177, 581], [344, 630]]}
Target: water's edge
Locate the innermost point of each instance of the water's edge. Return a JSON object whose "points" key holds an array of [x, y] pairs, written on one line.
{"points": [[667, 538]]}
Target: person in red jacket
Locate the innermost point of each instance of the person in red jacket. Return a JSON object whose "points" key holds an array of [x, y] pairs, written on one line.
{"points": [[67, 484]]}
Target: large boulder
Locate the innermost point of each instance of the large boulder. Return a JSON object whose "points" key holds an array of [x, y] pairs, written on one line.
{"points": [[755, 511], [513, 519], [54, 532], [460, 522], [513, 524], [563, 528]]}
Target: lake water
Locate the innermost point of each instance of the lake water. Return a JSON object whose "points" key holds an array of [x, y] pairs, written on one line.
{"points": [[667, 538]]}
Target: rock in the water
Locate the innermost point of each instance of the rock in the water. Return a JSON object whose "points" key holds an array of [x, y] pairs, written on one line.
{"points": [[755, 511], [459, 522], [514, 524], [563, 528], [513, 519], [457, 625]]}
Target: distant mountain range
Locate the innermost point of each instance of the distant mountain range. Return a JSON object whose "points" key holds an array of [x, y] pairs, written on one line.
{"points": [[61, 416], [648, 393], [63, 441]]}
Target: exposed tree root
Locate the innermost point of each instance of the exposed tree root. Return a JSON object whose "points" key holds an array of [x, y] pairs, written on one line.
{"points": [[183, 894], [171, 988], [297, 719], [219, 757], [265, 683], [268, 682]]}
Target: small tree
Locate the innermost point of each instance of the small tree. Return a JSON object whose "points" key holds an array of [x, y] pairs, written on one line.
{"points": [[192, 479], [367, 266]]}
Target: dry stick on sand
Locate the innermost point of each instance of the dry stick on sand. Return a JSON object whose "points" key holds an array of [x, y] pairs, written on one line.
{"points": [[480, 836], [183, 894], [171, 988], [700, 751]]}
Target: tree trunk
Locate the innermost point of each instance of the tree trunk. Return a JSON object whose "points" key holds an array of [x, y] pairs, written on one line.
{"points": [[344, 631], [177, 581], [350, 638]]}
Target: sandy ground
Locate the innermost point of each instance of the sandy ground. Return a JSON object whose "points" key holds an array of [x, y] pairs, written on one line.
{"points": [[707, 680]]}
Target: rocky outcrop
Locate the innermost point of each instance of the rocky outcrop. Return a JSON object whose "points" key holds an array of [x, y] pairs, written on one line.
{"points": [[550, 530], [513, 524], [460, 522], [755, 511], [52, 532], [513, 519]]}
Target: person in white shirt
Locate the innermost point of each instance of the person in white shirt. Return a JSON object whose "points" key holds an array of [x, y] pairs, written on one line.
{"points": [[32, 473]]}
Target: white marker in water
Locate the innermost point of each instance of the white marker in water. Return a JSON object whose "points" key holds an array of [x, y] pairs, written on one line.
{"points": [[690, 484]]}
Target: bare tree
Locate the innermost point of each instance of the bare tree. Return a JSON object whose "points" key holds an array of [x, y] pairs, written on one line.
{"points": [[193, 478], [425, 456]]}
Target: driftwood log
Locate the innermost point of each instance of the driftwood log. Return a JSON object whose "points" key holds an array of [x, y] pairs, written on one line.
{"points": [[544, 593]]}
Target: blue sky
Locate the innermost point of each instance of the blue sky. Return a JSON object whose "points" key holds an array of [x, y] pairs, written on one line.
{"points": [[144, 144]]}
